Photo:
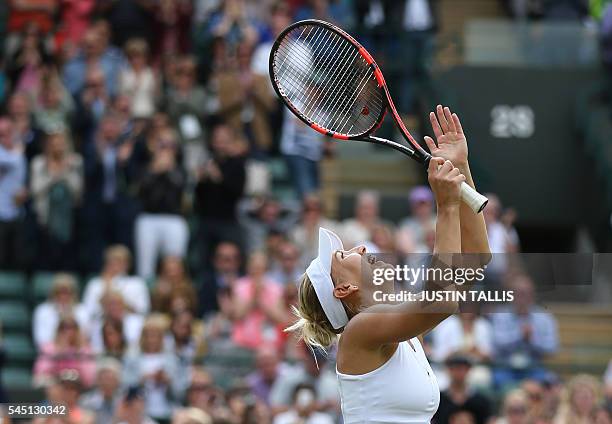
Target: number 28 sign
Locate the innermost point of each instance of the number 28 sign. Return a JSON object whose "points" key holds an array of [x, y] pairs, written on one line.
{"points": [[512, 121]]}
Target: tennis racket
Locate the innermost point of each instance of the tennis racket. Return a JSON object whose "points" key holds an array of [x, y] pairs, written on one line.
{"points": [[330, 81]]}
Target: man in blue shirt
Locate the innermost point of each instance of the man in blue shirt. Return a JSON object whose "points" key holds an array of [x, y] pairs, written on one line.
{"points": [[523, 334], [12, 193]]}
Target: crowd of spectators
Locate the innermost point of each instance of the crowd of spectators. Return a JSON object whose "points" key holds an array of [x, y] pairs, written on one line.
{"points": [[134, 142]]}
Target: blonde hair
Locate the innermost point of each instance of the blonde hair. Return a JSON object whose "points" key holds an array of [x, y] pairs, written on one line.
{"points": [[513, 397], [567, 413], [63, 280], [312, 325], [118, 251], [136, 46], [155, 322]]}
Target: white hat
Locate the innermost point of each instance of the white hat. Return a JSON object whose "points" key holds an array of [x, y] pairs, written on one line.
{"points": [[319, 273]]}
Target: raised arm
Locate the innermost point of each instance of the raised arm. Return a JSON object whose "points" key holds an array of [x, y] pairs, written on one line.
{"points": [[396, 323], [451, 144]]}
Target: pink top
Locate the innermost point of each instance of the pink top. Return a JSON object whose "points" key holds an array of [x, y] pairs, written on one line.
{"points": [[255, 328], [51, 361]]}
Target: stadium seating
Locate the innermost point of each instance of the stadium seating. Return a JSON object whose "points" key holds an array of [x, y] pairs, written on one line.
{"points": [[19, 349], [15, 316], [585, 342], [12, 285]]}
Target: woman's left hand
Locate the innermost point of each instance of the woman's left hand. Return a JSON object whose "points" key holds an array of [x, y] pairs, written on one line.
{"points": [[450, 143]]}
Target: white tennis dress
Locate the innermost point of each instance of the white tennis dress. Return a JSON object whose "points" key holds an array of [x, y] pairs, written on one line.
{"points": [[403, 390]]}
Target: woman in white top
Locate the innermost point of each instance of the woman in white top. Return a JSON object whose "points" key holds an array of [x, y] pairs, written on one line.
{"points": [[383, 374]]}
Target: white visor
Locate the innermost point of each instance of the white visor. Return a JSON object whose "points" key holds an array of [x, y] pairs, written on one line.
{"points": [[319, 273]]}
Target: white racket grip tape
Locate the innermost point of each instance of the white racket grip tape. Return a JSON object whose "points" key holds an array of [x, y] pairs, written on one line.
{"points": [[472, 198]]}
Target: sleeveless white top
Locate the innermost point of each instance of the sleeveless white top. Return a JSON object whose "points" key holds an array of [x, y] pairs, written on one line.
{"points": [[403, 390]]}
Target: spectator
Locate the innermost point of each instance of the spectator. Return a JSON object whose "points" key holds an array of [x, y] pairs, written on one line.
{"points": [[185, 98], [470, 335], [157, 370], [245, 102], [303, 149], [109, 208], [359, 229], [219, 188], [185, 339], [216, 285], [303, 408], [27, 135], [280, 18], [68, 351], [289, 270], [172, 279], [94, 53], [311, 370], [259, 216], [29, 61], [268, 369], [502, 240], [72, 387], [534, 391], [382, 239], [138, 80], [53, 107], [458, 396], [117, 328], [231, 23], [103, 400], [523, 334], [418, 23], [12, 195], [582, 396], [132, 408], [257, 307], [63, 300], [94, 102], [161, 227], [514, 409], [412, 237], [115, 276], [56, 183], [114, 344], [203, 395], [305, 233]]}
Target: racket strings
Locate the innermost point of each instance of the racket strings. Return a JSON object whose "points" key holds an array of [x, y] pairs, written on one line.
{"points": [[326, 79]]}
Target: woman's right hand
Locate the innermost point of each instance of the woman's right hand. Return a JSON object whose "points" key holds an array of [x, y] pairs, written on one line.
{"points": [[445, 181]]}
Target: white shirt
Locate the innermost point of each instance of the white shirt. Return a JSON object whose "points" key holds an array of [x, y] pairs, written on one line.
{"points": [[417, 15], [141, 89], [448, 337], [46, 320], [403, 390], [500, 240], [133, 289]]}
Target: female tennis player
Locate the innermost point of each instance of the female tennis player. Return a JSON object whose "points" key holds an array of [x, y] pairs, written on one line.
{"points": [[383, 374]]}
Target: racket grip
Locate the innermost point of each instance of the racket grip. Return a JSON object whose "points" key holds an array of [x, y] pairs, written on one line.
{"points": [[472, 198]]}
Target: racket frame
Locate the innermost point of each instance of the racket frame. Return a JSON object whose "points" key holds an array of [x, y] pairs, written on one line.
{"points": [[417, 152], [470, 196]]}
